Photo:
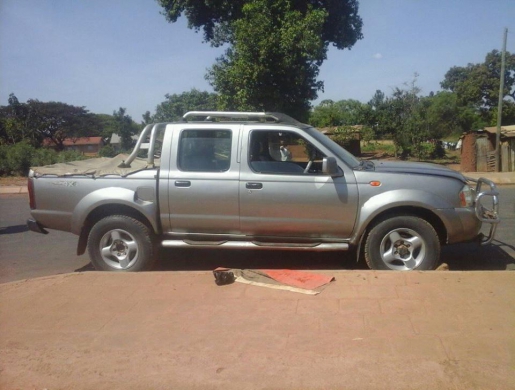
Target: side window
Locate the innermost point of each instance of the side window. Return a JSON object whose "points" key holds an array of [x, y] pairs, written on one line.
{"points": [[205, 150], [283, 152]]}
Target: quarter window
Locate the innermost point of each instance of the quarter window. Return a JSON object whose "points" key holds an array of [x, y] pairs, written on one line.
{"points": [[205, 150]]}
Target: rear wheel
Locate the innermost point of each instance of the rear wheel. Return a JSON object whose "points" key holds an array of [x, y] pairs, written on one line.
{"points": [[121, 243], [402, 243]]}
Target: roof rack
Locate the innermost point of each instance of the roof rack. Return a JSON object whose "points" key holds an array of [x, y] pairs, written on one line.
{"points": [[231, 115]]}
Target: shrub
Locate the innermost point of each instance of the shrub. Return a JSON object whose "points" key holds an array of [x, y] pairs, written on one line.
{"points": [[17, 159], [70, 155], [44, 156], [107, 151]]}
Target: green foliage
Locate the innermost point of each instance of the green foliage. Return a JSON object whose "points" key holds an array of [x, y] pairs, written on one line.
{"points": [[70, 155], [107, 125], [34, 121], [19, 158], [374, 146], [44, 156], [107, 151], [477, 86], [16, 160], [125, 128], [58, 121], [342, 113], [176, 105], [147, 118], [275, 48]]}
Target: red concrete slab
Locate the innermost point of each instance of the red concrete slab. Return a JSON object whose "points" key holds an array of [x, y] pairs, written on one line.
{"points": [[163, 330]]}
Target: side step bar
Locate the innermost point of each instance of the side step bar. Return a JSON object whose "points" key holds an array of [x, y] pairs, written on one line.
{"points": [[255, 245]]}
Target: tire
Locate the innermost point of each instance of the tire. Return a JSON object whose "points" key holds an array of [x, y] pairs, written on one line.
{"points": [[402, 243], [122, 244]]}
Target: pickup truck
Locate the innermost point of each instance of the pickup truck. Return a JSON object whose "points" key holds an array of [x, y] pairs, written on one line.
{"points": [[251, 180]]}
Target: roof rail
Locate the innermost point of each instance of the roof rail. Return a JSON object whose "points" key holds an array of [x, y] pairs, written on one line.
{"points": [[229, 115]]}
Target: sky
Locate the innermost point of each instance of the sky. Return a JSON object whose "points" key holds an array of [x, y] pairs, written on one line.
{"points": [[106, 54]]}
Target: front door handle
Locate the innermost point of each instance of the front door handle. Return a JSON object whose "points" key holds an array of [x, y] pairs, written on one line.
{"points": [[182, 183], [254, 186]]}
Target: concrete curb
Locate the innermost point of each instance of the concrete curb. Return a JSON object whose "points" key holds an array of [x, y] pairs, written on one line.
{"points": [[13, 190]]}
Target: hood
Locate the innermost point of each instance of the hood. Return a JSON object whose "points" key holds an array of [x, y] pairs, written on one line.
{"points": [[416, 168]]}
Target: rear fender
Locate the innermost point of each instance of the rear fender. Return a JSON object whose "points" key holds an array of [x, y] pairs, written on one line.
{"points": [[115, 196]]}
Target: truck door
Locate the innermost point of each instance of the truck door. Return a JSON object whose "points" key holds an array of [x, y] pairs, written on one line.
{"points": [[283, 192], [203, 181]]}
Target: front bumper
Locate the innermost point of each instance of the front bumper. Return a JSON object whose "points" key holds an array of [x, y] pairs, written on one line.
{"points": [[486, 206]]}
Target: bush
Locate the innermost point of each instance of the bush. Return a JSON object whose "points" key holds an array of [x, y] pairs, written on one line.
{"points": [[69, 155], [107, 151], [4, 167], [44, 157], [16, 160]]}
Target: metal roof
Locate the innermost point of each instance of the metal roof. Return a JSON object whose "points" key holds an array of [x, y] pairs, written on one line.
{"points": [[506, 131]]}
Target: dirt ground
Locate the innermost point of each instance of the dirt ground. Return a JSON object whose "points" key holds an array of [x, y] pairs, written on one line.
{"points": [[13, 181]]}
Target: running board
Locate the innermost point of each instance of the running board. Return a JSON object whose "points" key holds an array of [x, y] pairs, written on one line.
{"points": [[255, 245]]}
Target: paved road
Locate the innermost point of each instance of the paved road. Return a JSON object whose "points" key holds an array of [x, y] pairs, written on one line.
{"points": [[25, 254]]}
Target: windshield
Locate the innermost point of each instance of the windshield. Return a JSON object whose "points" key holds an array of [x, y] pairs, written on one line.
{"points": [[336, 149]]}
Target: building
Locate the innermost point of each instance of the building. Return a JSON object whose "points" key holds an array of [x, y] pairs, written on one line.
{"points": [[350, 137], [478, 150], [116, 141], [88, 146]]}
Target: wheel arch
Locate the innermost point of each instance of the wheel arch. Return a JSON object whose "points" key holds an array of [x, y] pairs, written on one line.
{"points": [[413, 211]]}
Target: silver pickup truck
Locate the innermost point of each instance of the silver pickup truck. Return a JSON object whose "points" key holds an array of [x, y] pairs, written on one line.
{"points": [[257, 181]]}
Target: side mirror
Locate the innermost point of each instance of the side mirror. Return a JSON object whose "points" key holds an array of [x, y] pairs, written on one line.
{"points": [[330, 167]]}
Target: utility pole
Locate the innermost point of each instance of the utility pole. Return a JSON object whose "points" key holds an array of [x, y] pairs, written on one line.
{"points": [[499, 106]]}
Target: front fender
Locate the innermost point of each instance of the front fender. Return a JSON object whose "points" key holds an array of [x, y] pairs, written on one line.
{"points": [[113, 196], [389, 200]]}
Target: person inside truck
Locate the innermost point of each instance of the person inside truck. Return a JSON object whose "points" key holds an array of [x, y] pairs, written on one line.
{"points": [[259, 149], [285, 153]]}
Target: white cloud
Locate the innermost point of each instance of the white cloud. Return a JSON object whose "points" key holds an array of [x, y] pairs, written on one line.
{"points": [[378, 56]]}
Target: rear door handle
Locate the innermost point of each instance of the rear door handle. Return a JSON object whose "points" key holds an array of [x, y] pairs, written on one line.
{"points": [[254, 186], [182, 183]]}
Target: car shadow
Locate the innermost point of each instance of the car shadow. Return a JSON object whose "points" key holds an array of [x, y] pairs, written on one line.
{"points": [[14, 229], [459, 257], [208, 259], [471, 257]]}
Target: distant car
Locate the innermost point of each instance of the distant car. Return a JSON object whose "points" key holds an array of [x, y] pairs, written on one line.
{"points": [[221, 180]]}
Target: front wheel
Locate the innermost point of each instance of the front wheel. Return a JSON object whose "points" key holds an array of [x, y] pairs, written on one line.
{"points": [[402, 243], [121, 243]]}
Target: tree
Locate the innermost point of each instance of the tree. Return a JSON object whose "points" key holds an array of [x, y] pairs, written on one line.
{"points": [[58, 121], [13, 126], [107, 125], [477, 85], [125, 128], [445, 116], [147, 118], [402, 118], [176, 105], [342, 113], [275, 48]]}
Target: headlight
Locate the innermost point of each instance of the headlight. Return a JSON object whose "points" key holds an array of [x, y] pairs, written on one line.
{"points": [[466, 196]]}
